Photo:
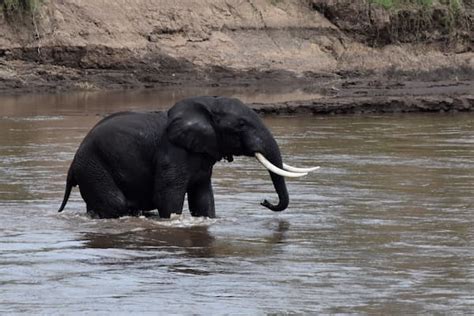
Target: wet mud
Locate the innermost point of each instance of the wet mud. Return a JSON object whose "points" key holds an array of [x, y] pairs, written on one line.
{"points": [[377, 96], [334, 93]]}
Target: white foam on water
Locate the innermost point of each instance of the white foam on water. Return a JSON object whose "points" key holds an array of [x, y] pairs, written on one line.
{"points": [[185, 220], [34, 118], [141, 222]]}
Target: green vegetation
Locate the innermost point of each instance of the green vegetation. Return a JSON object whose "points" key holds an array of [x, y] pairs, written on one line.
{"points": [[450, 14], [394, 4], [22, 12], [454, 5], [12, 7], [275, 2]]}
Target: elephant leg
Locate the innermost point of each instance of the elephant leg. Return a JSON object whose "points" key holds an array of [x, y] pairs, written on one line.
{"points": [[102, 196], [201, 199], [169, 200]]}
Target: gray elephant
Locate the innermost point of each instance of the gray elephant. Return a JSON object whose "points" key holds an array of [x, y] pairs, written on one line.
{"points": [[132, 162]]}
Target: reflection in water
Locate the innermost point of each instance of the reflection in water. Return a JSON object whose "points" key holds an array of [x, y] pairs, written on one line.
{"points": [[385, 227], [100, 102], [194, 241], [197, 240]]}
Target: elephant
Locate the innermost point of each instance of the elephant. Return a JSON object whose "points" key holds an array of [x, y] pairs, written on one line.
{"points": [[135, 162]]}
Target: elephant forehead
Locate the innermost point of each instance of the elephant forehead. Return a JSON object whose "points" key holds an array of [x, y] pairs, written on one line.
{"points": [[233, 108]]}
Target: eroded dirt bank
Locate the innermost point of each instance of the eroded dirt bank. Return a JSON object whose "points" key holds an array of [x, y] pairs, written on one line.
{"points": [[357, 59]]}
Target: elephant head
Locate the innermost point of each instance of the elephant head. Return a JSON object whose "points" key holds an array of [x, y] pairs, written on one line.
{"points": [[222, 127]]}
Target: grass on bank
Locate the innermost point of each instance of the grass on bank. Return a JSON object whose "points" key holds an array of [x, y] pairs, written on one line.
{"points": [[454, 5], [454, 16], [12, 7]]}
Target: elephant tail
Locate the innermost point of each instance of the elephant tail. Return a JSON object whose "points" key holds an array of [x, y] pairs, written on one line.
{"points": [[69, 184]]}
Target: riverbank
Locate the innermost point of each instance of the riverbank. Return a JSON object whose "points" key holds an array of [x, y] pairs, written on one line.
{"points": [[372, 96], [355, 55]]}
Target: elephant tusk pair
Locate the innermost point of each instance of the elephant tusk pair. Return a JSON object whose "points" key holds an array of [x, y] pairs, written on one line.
{"points": [[290, 171]]}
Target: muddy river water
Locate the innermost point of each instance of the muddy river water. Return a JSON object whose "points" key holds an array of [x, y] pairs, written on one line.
{"points": [[385, 227]]}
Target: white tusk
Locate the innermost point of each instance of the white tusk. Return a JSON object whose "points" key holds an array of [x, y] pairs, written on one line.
{"points": [[267, 164], [294, 169]]}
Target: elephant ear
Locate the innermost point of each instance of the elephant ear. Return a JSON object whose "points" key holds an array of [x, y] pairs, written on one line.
{"points": [[190, 126]]}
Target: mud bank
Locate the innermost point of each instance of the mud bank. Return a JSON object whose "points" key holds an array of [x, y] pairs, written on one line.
{"points": [[312, 45], [362, 96], [369, 105]]}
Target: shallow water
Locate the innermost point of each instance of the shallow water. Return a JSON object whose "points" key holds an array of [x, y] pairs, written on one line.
{"points": [[385, 227]]}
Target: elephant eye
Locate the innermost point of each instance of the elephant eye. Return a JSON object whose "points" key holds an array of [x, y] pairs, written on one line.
{"points": [[241, 122]]}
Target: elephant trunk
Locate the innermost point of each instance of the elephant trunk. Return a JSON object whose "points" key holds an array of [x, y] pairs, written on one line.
{"points": [[272, 153]]}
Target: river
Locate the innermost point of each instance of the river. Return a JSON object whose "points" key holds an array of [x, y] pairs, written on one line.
{"points": [[386, 226]]}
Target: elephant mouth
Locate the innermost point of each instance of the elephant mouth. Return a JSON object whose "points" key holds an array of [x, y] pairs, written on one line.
{"points": [[287, 171]]}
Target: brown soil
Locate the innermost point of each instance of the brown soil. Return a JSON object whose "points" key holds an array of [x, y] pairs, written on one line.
{"points": [[333, 48], [362, 96]]}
